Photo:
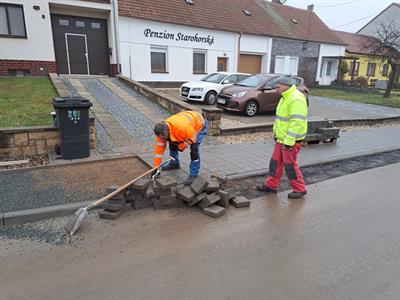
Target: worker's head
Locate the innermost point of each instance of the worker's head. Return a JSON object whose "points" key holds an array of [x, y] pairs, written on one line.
{"points": [[283, 84], [161, 130]]}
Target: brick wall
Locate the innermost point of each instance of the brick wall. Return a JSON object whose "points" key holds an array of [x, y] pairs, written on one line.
{"points": [[308, 57], [35, 67]]}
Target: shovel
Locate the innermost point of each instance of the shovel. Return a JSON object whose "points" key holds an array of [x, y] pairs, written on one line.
{"points": [[80, 215]]}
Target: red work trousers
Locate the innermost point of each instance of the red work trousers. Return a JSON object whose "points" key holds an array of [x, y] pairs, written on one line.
{"points": [[281, 157]]}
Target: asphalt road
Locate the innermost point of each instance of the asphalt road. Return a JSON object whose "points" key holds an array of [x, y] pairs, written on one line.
{"points": [[341, 242], [319, 108]]}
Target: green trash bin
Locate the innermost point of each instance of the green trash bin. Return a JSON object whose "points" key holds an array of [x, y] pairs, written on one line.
{"points": [[72, 115]]}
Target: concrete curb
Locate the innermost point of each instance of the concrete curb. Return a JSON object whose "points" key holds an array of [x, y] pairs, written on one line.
{"points": [[264, 171], [267, 127], [35, 214]]}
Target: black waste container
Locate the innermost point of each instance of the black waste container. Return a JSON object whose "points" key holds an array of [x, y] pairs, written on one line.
{"points": [[72, 114]]}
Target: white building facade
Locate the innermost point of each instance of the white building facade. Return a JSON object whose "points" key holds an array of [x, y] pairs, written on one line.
{"points": [[161, 52], [71, 37]]}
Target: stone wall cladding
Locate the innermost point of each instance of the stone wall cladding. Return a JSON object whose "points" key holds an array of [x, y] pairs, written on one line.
{"points": [[308, 58], [23, 142], [33, 66], [163, 84], [173, 105]]}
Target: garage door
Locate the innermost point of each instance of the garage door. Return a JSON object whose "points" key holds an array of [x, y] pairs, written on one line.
{"points": [[250, 63], [81, 45]]}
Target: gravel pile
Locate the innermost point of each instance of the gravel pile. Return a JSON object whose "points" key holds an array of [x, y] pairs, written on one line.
{"points": [[246, 138], [227, 123], [47, 231]]}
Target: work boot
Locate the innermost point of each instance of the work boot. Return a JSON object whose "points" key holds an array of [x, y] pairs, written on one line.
{"points": [[265, 189], [296, 195], [190, 180], [171, 166]]}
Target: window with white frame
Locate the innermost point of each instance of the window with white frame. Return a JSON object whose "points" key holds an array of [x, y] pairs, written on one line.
{"points": [[12, 22], [199, 61], [328, 68], [286, 65], [158, 56]]}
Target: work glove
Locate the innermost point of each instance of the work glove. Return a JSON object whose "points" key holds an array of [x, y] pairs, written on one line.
{"points": [[181, 147], [154, 172]]}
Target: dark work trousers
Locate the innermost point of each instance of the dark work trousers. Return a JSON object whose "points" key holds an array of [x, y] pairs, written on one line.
{"points": [[283, 158]]}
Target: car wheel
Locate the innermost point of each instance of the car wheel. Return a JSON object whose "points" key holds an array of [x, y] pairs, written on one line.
{"points": [[251, 108], [210, 98]]}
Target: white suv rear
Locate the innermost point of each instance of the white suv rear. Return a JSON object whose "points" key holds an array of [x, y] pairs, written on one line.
{"points": [[207, 89]]}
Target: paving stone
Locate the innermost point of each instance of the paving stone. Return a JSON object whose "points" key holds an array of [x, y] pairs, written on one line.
{"points": [[197, 199], [334, 131], [240, 201], [166, 182], [135, 196], [187, 194], [213, 185], [141, 203], [142, 184], [110, 215], [224, 202], [163, 192], [214, 211], [114, 205], [112, 188], [168, 198], [199, 185], [209, 200], [221, 179], [150, 194]]}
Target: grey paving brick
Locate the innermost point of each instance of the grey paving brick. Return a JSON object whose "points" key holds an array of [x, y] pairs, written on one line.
{"points": [[213, 185], [240, 201], [119, 196], [166, 182], [225, 197], [222, 179], [110, 215], [197, 199], [141, 203], [333, 131], [209, 200], [114, 205], [141, 185], [187, 194], [199, 185], [130, 197], [214, 211]]}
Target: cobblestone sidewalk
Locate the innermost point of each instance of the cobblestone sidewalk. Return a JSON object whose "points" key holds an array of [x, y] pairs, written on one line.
{"points": [[253, 158]]}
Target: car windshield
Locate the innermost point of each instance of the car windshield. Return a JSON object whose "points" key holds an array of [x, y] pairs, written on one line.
{"points": [[214, 78], [253, 81]]}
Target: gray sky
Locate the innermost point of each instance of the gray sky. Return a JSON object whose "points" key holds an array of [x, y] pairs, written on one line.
{"points": [[336, 13]]}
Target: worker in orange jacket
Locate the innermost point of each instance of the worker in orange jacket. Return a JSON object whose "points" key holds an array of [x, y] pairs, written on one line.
{"points": [[182, 130]]}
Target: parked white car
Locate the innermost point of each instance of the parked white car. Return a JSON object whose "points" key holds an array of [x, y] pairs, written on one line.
{"points": [[207, 89]]}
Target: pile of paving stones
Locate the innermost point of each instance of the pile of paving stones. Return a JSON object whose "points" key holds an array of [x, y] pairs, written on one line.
{"points": [[165, 192]]}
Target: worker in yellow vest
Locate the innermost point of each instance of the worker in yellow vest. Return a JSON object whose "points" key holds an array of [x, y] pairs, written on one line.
{"points": [[290, 128], [182, 130]]}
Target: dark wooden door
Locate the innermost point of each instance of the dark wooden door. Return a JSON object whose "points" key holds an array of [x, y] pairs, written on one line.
{"points": [[77, 54]]}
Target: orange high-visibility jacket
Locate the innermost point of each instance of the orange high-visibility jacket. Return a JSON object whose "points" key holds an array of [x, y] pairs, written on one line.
{"points": [[183, 130]]}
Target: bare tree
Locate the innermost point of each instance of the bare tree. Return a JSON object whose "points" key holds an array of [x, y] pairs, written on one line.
{"points": [[385, 45]]}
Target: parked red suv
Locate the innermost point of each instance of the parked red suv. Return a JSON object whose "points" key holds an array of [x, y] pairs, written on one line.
{"points": [[255, 94]]}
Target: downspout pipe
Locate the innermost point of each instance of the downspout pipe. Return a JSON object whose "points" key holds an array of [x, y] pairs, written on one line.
{"points": [[238, 53], [116, 34]]}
